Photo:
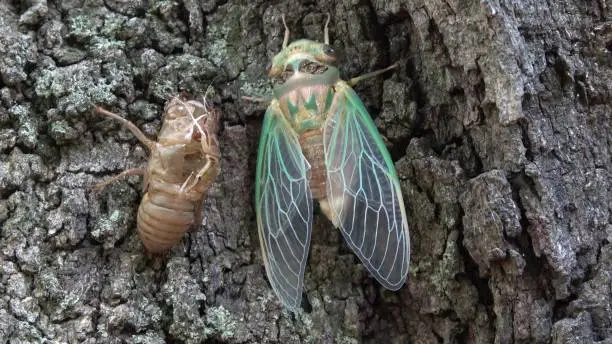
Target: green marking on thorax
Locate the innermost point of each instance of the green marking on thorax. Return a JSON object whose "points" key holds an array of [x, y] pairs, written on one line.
{"points": [[293, 109], [311, 104]]}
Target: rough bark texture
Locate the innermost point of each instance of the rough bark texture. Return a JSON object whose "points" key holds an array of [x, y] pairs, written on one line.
{"points": [[499, 119]]}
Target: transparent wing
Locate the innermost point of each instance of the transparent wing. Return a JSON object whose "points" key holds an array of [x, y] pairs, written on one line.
{"points": [[363, 190], [283, 204]]}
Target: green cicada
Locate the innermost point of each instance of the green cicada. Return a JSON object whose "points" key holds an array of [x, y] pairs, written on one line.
{"points": [[318, 141]]}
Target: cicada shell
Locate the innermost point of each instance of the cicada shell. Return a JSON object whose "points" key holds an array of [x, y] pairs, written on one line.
{"points": [[183, 164], [319, 142]]}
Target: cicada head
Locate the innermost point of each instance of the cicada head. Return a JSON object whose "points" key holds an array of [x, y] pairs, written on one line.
{"points": [[303, 56], [186, 120], [299, 53]]}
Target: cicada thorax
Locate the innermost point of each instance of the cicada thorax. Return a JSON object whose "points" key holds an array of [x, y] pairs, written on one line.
{"points": [[305, 101]]}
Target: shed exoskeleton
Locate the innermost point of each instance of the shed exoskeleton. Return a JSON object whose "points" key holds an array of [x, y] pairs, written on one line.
{"points": [[183, 164]]}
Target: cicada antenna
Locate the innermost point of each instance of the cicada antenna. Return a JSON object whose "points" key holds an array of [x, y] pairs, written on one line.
{"points": [[286, 40], [326, 29]]}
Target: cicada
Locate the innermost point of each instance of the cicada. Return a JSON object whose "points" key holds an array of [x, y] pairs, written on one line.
{"points": [[183, 164], [318, 141]]}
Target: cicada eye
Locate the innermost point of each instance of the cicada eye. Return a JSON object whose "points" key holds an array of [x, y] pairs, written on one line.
{"points": [[328, 50]]}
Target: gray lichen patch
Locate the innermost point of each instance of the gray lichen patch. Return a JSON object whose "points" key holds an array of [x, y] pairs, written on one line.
{"points": [[67, 225], [17, 51], [20, 171], [75, 88], [261, 88], [182, 294], [220, 323], [62, 132], [83, 26], [86, 159], [184, 72], [112, 213], [27, 124], [221, 40]]}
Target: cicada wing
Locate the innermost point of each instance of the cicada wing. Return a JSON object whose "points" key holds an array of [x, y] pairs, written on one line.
{"points": [[363, 190], [283, 207]]}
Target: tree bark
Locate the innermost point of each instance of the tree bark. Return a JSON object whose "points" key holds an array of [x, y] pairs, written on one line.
{"points": [[499, 120]]}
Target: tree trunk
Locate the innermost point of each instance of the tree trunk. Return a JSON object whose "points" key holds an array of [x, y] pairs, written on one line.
{"points": [[499, 120]]}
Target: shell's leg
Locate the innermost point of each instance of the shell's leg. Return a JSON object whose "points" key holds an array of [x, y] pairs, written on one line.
{"points": [[354, 81], [131, 127], [257, 99], [193, 180], [189, 183], [129, 172]]}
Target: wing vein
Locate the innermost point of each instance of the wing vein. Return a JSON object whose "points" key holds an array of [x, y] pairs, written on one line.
{"points": [[363, 189]]}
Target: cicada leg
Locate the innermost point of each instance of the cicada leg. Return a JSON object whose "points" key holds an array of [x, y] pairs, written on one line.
{"points": [[128, 172], [131, 127], [194, 179], [354, 81], [190, 183], [257, 99]]}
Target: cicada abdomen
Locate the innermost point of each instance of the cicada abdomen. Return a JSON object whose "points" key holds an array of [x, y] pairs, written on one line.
{"points": [[318, 141], [183, 163]]}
